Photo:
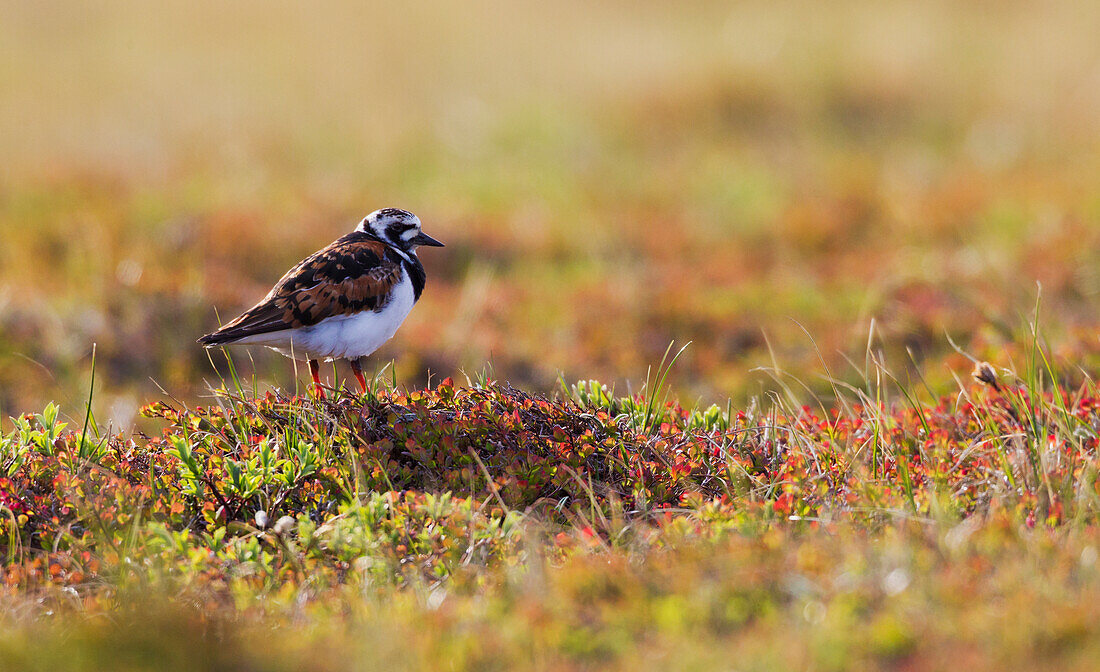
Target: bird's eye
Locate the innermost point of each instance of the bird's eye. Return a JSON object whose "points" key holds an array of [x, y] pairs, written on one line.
{"points": [[402, 230]]}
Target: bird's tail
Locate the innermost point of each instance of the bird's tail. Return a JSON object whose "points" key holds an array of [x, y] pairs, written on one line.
{"points": [[217, 338]]}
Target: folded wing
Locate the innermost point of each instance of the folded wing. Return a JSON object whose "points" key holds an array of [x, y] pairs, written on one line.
{"points": [[349, 276]]}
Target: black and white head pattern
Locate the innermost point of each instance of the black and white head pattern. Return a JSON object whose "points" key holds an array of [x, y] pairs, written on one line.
{"points": [[399, 228]]}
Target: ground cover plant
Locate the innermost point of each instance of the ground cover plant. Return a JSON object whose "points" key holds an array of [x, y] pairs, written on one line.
{"points": [[478, 526]]}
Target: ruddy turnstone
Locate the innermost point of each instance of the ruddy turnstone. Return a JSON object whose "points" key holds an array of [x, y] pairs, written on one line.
{"points": [[341, 302]]}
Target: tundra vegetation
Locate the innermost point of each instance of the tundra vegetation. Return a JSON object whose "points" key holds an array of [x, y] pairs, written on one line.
{"points": [[483, 527]]}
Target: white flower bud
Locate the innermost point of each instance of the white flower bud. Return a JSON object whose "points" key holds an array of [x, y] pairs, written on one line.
{"points": [[284, 525]]}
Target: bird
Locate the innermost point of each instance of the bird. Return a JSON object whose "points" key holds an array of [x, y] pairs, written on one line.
{"points": [[343, 301]]}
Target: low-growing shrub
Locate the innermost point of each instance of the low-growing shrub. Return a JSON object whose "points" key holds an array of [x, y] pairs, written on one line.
{"points": [[393, 485]]}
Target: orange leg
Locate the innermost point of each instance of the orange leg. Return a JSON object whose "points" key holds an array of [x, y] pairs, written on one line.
{"points": [[315, 371], [357, 369]]}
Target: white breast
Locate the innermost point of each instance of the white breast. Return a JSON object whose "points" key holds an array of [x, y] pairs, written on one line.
{"points": [[345, 336]]}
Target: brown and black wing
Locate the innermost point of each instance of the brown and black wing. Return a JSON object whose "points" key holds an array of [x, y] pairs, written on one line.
{"points": [[349, 276]]}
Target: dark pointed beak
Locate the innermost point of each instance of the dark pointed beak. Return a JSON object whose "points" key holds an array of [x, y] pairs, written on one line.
{"points": [[425, 240]]}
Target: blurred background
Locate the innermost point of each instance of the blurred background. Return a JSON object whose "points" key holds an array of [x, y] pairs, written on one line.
{"points": [[764, 179]]}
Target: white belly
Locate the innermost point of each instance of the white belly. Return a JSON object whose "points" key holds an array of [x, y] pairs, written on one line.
{"points": [[343, 336]]}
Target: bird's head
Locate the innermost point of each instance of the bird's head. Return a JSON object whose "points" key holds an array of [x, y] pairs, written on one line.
{"points": [[397, 228]]}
